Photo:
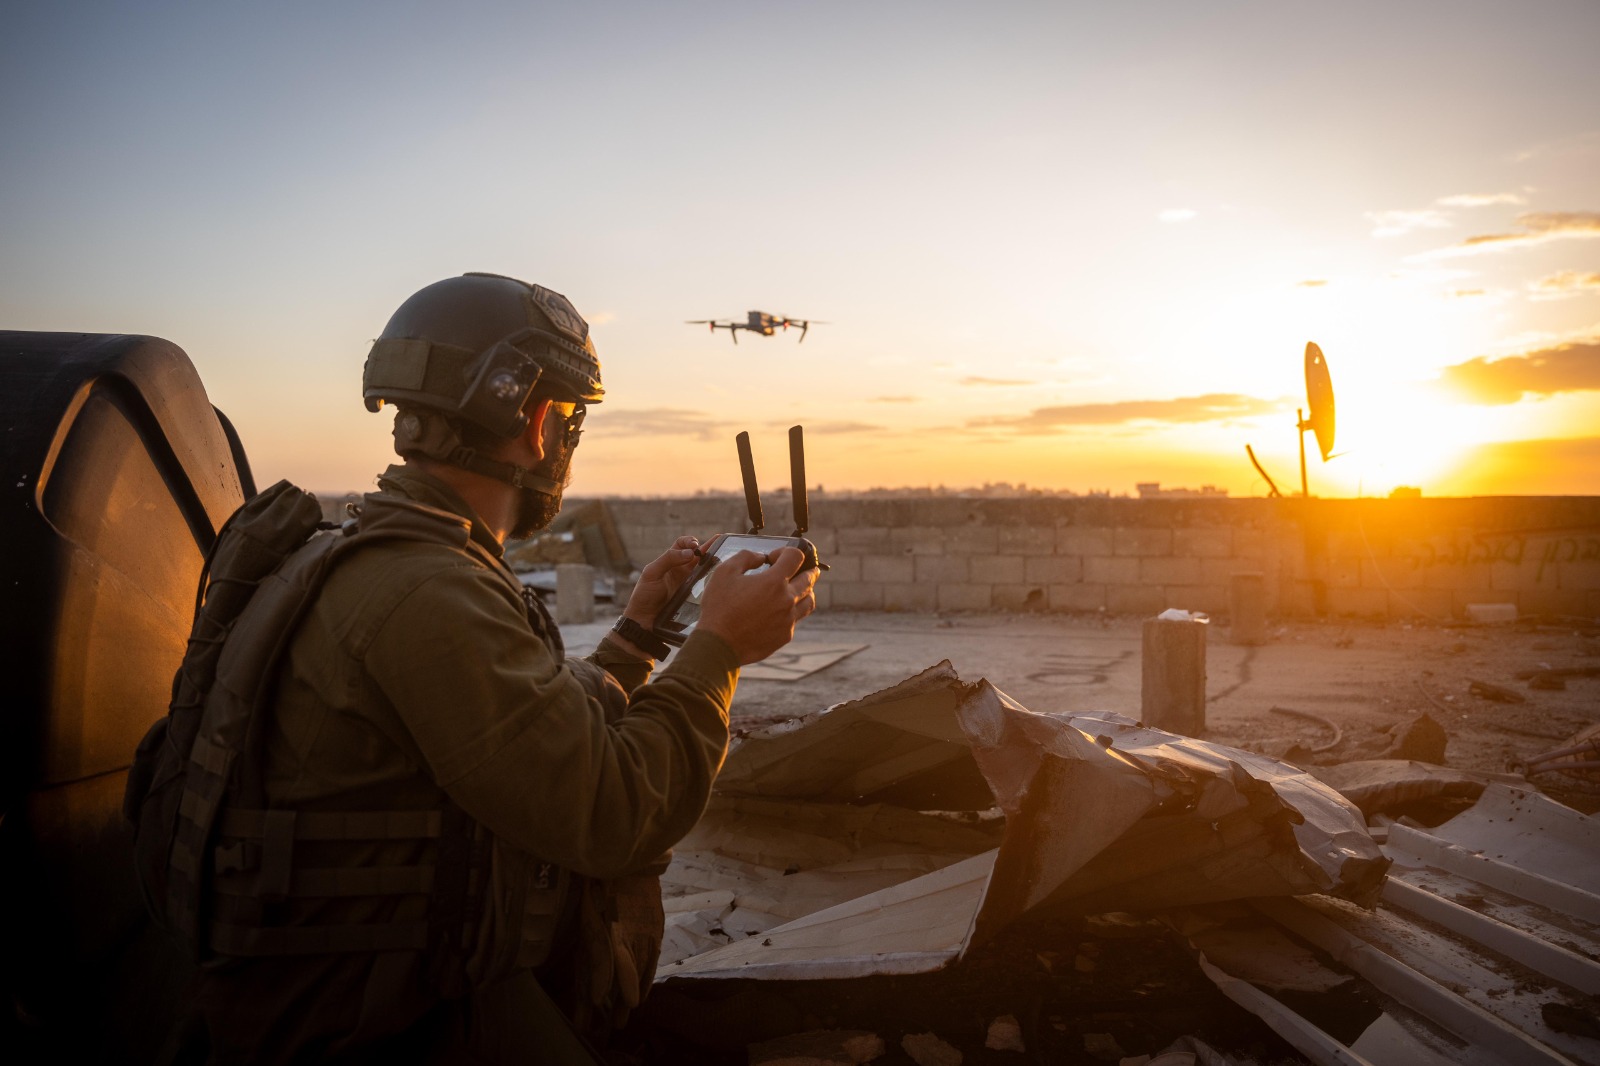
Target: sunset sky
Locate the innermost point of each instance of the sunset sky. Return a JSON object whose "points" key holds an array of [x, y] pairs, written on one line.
{"points": [[1072, 246]]}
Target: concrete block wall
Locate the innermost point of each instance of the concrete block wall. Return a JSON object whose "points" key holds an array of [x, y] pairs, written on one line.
{"points": [[1378, 559]]}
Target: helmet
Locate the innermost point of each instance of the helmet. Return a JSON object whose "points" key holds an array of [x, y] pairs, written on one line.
{"points": [[472, 348]]}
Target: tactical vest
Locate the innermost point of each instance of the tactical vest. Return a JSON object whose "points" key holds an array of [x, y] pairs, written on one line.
{"points": [[216, 863]]}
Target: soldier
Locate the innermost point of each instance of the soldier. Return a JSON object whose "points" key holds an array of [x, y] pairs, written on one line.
{"points": [[459, 825]]}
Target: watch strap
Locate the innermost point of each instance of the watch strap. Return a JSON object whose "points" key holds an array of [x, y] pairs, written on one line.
{"points": [[640, 637]]}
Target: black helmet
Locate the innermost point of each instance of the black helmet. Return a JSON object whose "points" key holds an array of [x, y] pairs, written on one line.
{"points": [[473, 348], [466, 353]]}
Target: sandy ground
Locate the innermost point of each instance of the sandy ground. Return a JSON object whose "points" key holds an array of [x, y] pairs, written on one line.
{"points": [[1360, 677]]}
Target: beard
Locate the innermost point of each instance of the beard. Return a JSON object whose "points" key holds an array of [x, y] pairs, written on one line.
{"points": [[536, 510]]}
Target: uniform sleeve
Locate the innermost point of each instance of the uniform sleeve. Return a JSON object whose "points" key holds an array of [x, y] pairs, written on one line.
{"points": [[510, 734], [629, 670]]}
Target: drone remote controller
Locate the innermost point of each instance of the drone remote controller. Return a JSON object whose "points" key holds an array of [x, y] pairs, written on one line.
{"points": [[677, 620]]}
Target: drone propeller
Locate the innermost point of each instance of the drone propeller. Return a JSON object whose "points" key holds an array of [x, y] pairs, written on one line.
{"points": [[747, 470]]}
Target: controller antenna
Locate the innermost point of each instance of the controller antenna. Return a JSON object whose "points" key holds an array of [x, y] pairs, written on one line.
{"points": [[797, 479], [752, 494]]}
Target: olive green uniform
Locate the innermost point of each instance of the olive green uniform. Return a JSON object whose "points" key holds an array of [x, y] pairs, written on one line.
{"points": [[415, 676]]}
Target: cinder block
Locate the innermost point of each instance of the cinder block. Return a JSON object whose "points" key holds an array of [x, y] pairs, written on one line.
{"points": [[1343, 572], [826, 539], [843, 569], [1543, 600], [1252, 544], [1027, 540], [1473, 576], [972, 540], [1435, 605], [941, 569], [943, 513], [1363, 603], [910, 596], [889, 513], [1077, 597], [917, 540], [1205, 542], [997, 569], [858, 596], [653, 540], [1212, 599], [1084, 540], [1138, 540], [1145, 600], [1578, 576], [1105, 570], [1513, 576], [1390, 573], [1169, 570], [865, 540], [1299, 598], [1221, 571], [1019, 598], [1053, 569], [887, 568], [823, 593], [1355, 546], [965, 597]]}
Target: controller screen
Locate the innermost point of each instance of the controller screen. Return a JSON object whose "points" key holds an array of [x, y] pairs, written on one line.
{"points": [[689, 613]]}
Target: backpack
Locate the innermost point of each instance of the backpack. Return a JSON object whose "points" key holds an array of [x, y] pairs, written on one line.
{"points": [[178, 777], [196, 779]]}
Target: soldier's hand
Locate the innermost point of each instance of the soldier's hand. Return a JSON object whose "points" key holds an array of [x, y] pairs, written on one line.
{"points": [[755, 613], [660, 579]]}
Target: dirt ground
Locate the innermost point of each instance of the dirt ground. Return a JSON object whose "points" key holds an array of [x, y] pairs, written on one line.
{"points": [[1091, 990]]}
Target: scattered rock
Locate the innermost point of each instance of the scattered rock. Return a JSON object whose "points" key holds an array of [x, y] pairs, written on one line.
{"points": [[1567, 1019], [1103, 1046], [1498, 693], [837, 1047], [1005, 1035], [926, 1049], [1421, 739]]}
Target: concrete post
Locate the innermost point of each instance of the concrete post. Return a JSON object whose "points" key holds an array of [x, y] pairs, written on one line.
{"points": [[1173, 687], [574, 593], [1247, 609]]}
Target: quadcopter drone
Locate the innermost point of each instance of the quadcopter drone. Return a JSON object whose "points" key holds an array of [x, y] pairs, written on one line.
{"points": [[757, 322]]}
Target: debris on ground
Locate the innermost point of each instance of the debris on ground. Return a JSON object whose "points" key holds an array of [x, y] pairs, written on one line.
{"points": [[1483, 950], [1498, 693], [1005, 1034], [850, 1047], [1576, 763], [927, 1049], [817, 859]]}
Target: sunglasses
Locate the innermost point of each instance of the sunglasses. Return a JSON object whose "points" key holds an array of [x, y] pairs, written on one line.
{"points": [[571, 415]]}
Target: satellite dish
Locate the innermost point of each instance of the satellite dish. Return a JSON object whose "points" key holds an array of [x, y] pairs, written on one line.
{"points": [[1319, 395]]}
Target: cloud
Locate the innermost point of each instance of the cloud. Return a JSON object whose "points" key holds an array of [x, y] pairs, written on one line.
{"points": [[1312, 283], [1480, 200], [1562, 368], [1462, 293], [894, 399], [1397, 223], [1539, 227], [1177, 214], [662, 421], [838, 428], [1565, 283], [996, 382], [1213, 407]]}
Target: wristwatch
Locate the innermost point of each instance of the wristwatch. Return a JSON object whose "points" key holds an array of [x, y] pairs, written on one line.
{"points": [[641, 638]]}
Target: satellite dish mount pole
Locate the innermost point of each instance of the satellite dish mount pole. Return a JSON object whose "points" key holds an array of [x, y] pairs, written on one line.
{"points": [[1303, 425]]}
